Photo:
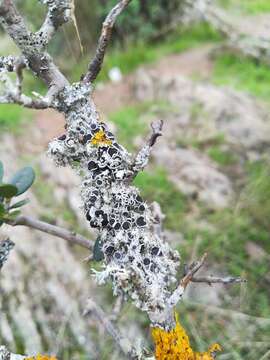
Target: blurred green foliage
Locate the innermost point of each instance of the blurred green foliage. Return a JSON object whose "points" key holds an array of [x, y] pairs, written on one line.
{"points": [[143, 19], [249, 6], [242, 74], [155, 186], [135, 54]]}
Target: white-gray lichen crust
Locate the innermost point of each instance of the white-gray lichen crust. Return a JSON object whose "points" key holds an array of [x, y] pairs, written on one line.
{"points": [[138, 261]]}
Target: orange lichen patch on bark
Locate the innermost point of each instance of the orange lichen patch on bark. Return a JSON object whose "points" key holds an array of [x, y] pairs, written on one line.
{"points": [[175, 345], [41, 357], [100, 139]]}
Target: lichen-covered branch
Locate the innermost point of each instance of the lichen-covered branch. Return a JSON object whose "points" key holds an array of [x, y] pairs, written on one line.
{"points": [[54, 230], [142, 158], [7, 355], [32, 47], [59, 12], [5, 247], [96, 64]]}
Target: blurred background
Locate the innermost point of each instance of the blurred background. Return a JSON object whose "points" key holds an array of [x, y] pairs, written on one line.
{"points": [[208, 77]]}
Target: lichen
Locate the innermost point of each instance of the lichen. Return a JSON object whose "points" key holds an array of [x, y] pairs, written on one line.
{"points": [[41, 357], [175, 345], [100, 139], [137, 259]]}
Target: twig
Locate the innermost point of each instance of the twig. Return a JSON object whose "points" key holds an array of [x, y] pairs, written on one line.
{"points": [[117, 308], [106, 32], [25, 101], [123, 343], [192, 270], [70, 236], [20, 65], [178, 293], [143, 155], [30, 45], [217, 280], [59, 12]]}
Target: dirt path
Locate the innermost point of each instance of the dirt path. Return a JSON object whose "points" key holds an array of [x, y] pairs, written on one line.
{"points": [[111, 97]]}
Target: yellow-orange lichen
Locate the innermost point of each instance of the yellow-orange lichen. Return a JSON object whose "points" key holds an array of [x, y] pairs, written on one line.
{"points": [[100, 139], [175, 345], [41, 357]]}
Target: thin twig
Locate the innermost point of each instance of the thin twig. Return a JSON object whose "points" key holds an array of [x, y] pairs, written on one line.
{"points": [[218, 280], [25, 101], [179, 291], [142, 158], [123, 343], [106, 32], [70, 236], [59, 12], [20, 65]]}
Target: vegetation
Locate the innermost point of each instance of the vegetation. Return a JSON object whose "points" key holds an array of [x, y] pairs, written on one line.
{"points": [[242, 74], [142, 52]]}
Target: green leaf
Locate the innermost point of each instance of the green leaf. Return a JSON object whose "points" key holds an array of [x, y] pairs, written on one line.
{"points": [[98, 254], [8, 190], [12, 215], [1, 171], [23, 179], [2, 210], [19, 204]]}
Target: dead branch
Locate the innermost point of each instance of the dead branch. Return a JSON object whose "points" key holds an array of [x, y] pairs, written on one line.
{"points": [[106, 32], [54, 230], [122, 342], [143, 155], [178, 293], [218, 280]]}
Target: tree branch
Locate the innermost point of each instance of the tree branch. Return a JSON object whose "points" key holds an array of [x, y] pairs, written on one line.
{"points": [[142, 158], [70, 236], [217, 280], [25, 101], [59, 12], [122, 342], [5, 247], [178, 293], [95, 65], [31, 46]]}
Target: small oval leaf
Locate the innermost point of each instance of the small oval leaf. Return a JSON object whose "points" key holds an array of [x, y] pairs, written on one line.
{"points": [[19, 204], [98, 254], [8, 190], [23, 179], [1, 171]]}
